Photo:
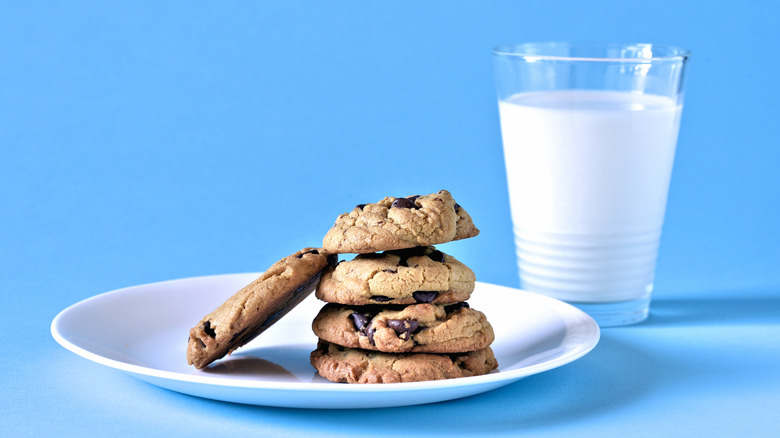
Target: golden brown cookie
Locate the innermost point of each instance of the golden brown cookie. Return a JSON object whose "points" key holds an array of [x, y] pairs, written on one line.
{"points": [[409, 276], [257, 306], [397, 223], [341, 364], [418, 328]]}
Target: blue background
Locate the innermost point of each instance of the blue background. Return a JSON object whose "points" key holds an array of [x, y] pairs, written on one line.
{"points": [[145, 141]]}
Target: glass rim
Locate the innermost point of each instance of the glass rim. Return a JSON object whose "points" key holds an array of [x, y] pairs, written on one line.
{"points": [[535, 51]]}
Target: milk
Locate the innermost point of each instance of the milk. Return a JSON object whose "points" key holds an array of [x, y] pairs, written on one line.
{"points": [[588, 175]]}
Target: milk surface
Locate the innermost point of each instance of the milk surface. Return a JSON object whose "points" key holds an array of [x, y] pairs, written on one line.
{"points": [[588, 175]]}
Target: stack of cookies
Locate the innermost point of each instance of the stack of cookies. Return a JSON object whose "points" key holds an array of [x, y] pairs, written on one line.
{"points": [[397, 311]]}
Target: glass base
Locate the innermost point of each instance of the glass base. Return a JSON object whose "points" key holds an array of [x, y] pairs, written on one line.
{"points": [[617, 314]]}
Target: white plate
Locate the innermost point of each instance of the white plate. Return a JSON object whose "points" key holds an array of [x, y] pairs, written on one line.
{"points": [[143, 331]]}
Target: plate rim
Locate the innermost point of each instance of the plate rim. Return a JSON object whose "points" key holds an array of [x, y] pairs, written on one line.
{"points": [[508, 376]]}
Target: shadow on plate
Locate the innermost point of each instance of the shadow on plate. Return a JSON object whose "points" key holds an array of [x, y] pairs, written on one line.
{"points": [[278, 363], [248, 367]]}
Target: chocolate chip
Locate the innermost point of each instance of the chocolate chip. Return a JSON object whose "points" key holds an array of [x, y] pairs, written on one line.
{"points": [[413, 198], [457, 207], [362, 323], [360, 320], [390, 271], [424, 296], [455, 307], [403, 327], [361, 206], [381, 298], [209, 331], [370, 334], [397, 325], [436, 256], [313, 251], [402, 203]]}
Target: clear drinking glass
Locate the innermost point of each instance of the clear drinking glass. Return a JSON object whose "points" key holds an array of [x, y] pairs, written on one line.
{"points": [[589, 134]]}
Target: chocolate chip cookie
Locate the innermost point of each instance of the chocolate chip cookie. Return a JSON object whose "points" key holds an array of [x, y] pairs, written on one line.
{"points": [[257, 306], [341, 364], [418, 328], [397, 223], [416, 275]]}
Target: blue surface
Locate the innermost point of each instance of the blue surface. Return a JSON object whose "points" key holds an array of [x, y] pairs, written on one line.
{"points": [[145, 141]]}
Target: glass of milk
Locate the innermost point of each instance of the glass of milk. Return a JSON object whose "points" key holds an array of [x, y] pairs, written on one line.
{"points": [[589, 134]]}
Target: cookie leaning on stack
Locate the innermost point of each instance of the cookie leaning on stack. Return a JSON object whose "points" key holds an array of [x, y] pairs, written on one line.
{"points": [[400, 315], [254, 308]]}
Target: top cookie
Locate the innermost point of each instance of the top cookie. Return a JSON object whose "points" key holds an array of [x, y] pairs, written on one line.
{"points": [[254, 308], [398, 223]]}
